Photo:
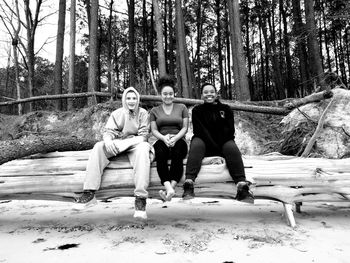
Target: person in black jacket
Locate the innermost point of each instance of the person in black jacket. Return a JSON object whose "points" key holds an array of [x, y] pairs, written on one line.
{"points": [[213, 135]]}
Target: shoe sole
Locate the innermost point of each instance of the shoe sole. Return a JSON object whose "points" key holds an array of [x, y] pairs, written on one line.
{"points": [[188, 197], [140, 215], [81, 206]]}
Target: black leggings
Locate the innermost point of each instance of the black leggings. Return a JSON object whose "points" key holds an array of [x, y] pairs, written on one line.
{"points": [[229, 151], [176, 154]]}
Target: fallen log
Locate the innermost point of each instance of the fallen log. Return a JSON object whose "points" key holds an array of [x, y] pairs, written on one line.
{"points": [[287, 179], [15, 149]]}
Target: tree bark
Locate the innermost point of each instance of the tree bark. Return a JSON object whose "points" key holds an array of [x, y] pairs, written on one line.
{"points": [[239, 65], [171, 40], [290, 86], [299, 29], [59, 51], [109, 49], [181, 46], [10, 150], [72, 33], [31, 26], [93, 56], [160, 42], [314, 51], [132, 55], [15, 54]]}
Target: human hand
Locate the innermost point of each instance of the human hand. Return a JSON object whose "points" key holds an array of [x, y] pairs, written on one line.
{"points": [[111, 147], [166, 140], [172, 140]]}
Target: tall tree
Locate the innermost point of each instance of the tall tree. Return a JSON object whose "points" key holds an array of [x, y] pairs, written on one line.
{"points": [[181, 49], [290, 84], [109, 49], [15, 53], [220, 57], [171, 39], [59, 51], [299, 34], [93, 47], [313, 47], [132, 55], [241, 83], [31, 26], [160, 42], [71, 53]]}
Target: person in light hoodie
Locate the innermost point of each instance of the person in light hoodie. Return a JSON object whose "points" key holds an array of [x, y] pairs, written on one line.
{"points": [[127, 131]]}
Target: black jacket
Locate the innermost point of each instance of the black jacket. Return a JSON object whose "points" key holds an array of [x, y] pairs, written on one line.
{"points": [[214, 124]]}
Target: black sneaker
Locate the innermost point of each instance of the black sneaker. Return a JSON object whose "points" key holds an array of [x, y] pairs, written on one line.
{"points": [[243, 193], [140, 208], [188, 187], [87, 199]]}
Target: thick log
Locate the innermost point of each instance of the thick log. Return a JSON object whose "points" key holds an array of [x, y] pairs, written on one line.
{"points": [[285, 178], [288, 179], [235, 105], [15, 149], [55, 97]]}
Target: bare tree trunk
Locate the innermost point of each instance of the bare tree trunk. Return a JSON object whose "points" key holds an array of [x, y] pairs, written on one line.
{"points": [[132, 56], [31, 25], [15, 54], [171, 40], [93, 56], [71, 88], [181, 45], [228, 56], [277, 76], [109, 49], [144, 43], [314, 51], [290, 80], [240, 71], [160, 42], [223, 89], [325, 35], [59, 51], [299, 29]]}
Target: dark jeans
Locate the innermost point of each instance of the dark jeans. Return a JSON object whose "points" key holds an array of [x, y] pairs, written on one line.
{"points": [[176, 154], [229, 151]]}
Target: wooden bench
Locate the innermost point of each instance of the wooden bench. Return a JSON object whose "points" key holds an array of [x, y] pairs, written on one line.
{"points": [[287, 179]]}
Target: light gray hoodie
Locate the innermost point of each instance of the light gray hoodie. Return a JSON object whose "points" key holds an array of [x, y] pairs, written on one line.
{"points": [[123, 121]]}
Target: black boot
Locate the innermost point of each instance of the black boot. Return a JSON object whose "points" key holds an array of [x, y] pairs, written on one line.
{"points": [[243, 192], [188, 187]]}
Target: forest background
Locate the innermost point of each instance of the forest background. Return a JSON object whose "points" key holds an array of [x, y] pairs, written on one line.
{"points": [[251, 50]]}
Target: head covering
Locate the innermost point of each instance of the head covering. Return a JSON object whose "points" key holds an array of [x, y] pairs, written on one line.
{"points": [[125, 106]]}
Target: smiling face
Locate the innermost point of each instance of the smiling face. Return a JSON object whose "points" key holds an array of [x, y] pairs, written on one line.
{"points": [[209, 93], [131, 100], [167, 95]]}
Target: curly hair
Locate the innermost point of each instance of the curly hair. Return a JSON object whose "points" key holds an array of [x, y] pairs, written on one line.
{"points": [[206, 84], [166, 80]]}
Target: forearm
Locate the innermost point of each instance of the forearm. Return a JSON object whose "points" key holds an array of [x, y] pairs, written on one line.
{"points": [[157, 134], [180, 134]]}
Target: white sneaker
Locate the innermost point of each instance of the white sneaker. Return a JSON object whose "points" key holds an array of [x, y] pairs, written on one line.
{"points": [[140, 215], [82, 206]]}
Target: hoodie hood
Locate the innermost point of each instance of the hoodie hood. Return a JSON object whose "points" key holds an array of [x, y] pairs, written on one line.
{"points": [[124, 99]]}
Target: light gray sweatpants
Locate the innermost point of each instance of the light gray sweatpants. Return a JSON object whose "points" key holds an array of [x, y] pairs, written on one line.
{"points": [[138, 154]]}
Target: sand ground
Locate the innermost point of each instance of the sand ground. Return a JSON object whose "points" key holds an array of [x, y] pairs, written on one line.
{"points": [[203, 230]]}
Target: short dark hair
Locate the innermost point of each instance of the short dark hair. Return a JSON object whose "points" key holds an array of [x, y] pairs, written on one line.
{"points": [[206, 84], [166, 80]]}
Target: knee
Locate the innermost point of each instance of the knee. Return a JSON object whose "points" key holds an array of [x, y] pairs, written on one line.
{"points": [[230, 147], [197, 143], [143, 148], [99, 146]]}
